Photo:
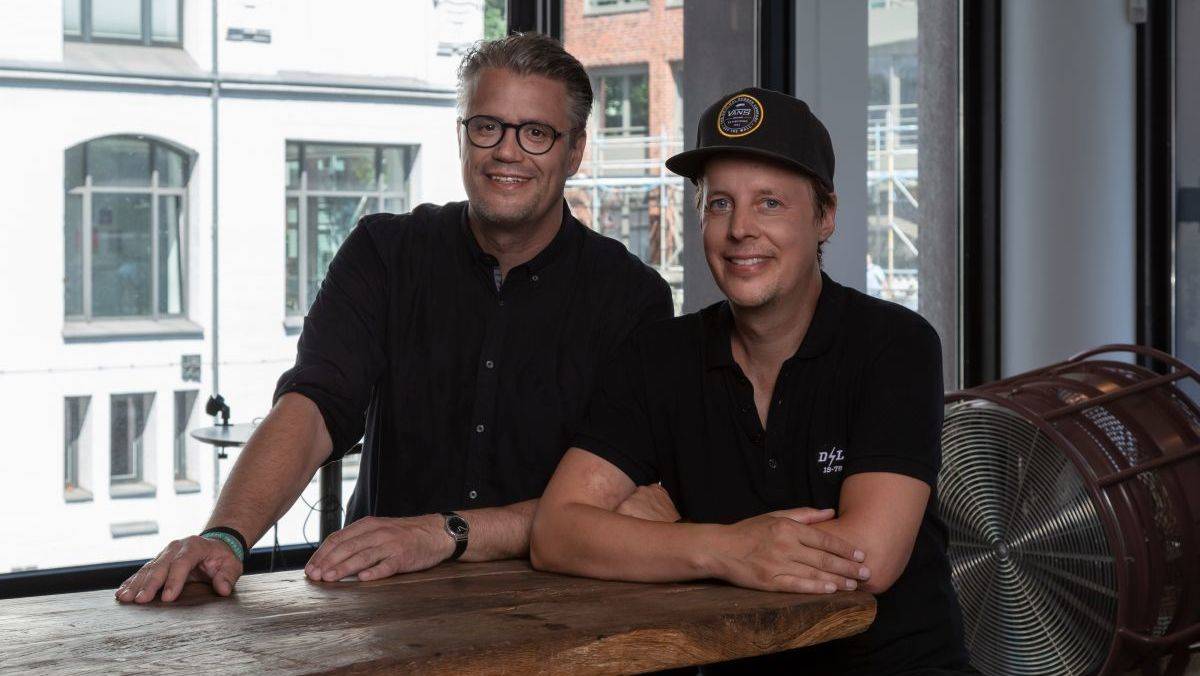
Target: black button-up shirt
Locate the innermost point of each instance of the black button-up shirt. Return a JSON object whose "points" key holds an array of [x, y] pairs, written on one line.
{"points": [[468, 390], [863, 393]]}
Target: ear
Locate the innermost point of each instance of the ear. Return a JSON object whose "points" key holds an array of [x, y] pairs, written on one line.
{"points": [[575, 156], [829, 223]]}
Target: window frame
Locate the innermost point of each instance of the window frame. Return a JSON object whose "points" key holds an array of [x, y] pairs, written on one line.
{"points": [[147, 27], [185, 407], [155, 191], [137, 443], [625, 73], [301, 193], [76, 414]]}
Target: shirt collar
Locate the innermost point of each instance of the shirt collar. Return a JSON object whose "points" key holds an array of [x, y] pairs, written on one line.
{"points": [[568, 231], [717, 323]]}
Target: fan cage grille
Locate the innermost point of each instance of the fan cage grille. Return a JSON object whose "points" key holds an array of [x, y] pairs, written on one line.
{"points": [[1031, 564]]}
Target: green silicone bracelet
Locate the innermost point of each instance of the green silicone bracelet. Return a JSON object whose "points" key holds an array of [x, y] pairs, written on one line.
{"points": [[229, 540]]}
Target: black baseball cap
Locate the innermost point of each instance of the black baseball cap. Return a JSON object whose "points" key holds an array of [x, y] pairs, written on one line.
{"points": [[762, 123]]}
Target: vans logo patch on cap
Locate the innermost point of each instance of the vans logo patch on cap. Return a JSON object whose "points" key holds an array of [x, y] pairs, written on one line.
{"points": [[740, 115]]}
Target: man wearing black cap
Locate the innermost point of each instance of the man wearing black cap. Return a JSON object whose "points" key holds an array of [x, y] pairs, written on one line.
{"points": [[795, 425]]}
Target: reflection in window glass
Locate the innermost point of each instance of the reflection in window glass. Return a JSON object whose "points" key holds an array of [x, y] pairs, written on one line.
{"points": [[495, 19], [339, 185], [164, 20], [129, 414], [170, 255], [185, 404], [622, 188], [117, 19], [73, 249], [126, 255], [72, 18], [119, 161], [893, 224], [121, 245], [74, 415]]}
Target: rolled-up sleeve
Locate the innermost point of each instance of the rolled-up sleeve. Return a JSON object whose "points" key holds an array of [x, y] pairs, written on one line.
{"points": [[340, 353]]}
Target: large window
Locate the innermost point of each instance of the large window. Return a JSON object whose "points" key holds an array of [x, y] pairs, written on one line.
{"points": [[129, 441], [622, 189], [125, 236], [893, 221], [149, 22], [330, 187]]}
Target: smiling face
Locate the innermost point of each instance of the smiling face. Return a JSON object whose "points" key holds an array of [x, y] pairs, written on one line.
{"points": [[507, 187], [760, 230]]}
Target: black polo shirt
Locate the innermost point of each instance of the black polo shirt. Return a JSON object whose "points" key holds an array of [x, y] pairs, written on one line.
{"points": [[468, 391], [863, 393]]}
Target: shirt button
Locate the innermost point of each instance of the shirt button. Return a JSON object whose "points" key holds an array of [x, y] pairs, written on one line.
{"points": [[501, 303], [479, 428], [772, 464], [534, 278], [489, 363], [472, 495]]}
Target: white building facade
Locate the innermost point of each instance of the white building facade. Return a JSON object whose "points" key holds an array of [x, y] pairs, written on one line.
{"points": [[117, 123]]}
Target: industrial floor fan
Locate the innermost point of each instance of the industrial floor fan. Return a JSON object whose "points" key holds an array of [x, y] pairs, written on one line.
{"points": [[1072, 498]]}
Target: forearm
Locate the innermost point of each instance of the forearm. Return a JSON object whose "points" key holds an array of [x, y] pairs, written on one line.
{"points": [[885, 559], [499, 532], [582, 539], [273, 468]]}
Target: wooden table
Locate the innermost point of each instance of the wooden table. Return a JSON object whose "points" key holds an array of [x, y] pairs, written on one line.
{"points": [[499, 617]]}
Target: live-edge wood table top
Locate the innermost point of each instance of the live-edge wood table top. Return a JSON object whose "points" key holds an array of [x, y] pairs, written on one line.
{"points": [[500, 617]]}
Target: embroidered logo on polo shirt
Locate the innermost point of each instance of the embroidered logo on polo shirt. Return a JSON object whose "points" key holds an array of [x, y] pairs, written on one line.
{"points": [[831, 460], [741, 115]]}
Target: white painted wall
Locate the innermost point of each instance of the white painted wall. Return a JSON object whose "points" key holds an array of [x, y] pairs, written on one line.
{"points": [[1067, 238], [38, 368]]}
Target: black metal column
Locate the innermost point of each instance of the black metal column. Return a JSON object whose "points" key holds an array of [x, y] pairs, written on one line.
{"points": [[979, 324], [331, 498], [1155, 211], [776, 45]]}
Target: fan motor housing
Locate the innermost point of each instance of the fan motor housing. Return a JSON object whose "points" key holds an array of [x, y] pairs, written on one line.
{"points": [[1072, 498]]}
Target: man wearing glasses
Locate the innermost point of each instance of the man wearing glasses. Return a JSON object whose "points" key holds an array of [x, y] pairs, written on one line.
{"points": [[463, 341]]}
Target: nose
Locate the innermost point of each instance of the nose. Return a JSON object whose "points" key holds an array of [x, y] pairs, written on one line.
{"points": [[741, 224], [508, 150]]}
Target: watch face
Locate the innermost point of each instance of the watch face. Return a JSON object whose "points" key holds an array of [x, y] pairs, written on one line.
{"points": [[458, 526]]}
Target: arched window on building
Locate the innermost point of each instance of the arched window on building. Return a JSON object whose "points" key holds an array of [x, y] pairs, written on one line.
{"points": [[125, 229]]}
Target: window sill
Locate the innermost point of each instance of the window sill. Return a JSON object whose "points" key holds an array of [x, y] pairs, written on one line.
{"points": [[131, 528], [186, 486], [79, 331], [77, 494], [133, 489], [590, 11], [292, 324]]}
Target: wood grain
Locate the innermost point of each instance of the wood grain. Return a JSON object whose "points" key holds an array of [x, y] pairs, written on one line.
{"points": [[489, 618]]}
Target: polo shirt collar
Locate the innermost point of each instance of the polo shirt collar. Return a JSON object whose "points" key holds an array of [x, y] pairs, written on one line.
{"points": [[568, 232], [717, 323]]}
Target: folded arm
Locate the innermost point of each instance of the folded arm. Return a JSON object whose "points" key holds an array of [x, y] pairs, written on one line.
{"points": [[577, 531], [880, 512]]}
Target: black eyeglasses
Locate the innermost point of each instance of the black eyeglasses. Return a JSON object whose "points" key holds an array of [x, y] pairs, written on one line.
{"points": [[535, 138]]}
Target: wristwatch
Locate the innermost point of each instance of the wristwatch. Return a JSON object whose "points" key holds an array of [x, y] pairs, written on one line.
{"points": [[459, 529]]}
